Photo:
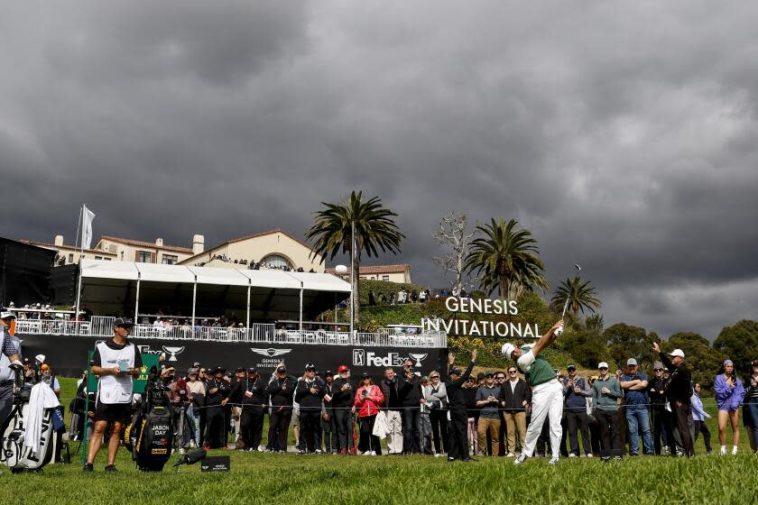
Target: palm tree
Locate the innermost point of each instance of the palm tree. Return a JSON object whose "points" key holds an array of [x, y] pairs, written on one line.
{"points": [[507, 258], [375, 229], [580, 295]]}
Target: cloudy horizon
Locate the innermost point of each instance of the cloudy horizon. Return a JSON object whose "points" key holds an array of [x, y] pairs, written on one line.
{"points": [[623, 135]]}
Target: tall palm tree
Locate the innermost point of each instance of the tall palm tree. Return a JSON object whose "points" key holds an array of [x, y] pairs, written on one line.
{"points": [[507, 258], [375, 229], [580, 295]]}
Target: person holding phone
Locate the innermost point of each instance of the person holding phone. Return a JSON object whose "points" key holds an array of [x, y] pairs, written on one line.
{"points": [[729, 395], [116, 363]]}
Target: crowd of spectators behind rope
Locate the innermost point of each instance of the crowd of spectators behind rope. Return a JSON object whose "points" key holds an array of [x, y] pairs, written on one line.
{"points": [[333, 412]]}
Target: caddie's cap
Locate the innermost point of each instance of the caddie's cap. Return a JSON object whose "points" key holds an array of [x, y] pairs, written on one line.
{"points": [[124, 322]]}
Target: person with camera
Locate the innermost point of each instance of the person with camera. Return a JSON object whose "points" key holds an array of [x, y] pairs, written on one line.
{"points": [[343, 408], [458, 447], [216, 391], [280, 391], [547, 393], [368, 401], [309, 395], [729, 395], [409, 387], [116, 363]]}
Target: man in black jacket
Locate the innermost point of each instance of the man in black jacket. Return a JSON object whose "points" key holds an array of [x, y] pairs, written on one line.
{"points": [[515, 396], [679, 392], [250, 392], [309, 394], [458, 444], [216, 391], [409, 388], [280, 390], [342, 405], [394, 411], [656, 393]]}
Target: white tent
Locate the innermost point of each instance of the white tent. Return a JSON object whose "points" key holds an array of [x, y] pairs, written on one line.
{"points": [[112, 287]]}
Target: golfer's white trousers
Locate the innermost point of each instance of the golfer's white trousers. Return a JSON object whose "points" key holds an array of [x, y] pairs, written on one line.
{"points": [[547, 401]]}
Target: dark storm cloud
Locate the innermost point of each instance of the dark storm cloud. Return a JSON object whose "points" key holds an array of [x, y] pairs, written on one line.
{"points": [[622, 135]]}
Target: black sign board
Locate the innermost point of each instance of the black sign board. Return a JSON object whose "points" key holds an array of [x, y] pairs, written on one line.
{"points": [[68, 354], [215, 464]]}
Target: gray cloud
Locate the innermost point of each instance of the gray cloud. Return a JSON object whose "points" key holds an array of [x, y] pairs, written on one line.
{"points": [[622, 135]]}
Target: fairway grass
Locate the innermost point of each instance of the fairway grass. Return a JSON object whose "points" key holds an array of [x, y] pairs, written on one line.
{"points": [[278, 478]]}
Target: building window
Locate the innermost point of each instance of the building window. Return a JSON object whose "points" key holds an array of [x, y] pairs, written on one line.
{"points": [[70, 258], [276, 261], [98, 257], [170, 259], [143, 257], [385, 277]]}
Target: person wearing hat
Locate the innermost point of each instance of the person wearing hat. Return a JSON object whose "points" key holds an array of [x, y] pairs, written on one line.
{"points": [[576, 390], [634, 384], [343, 408], [605, 394], [547, 393], [280, 390], [11, 347], [458, 447], [659, 421], [679, 393], [250, 393], [216, 392], [489, 415], [309, 394], [729, 395], [116, 363]]}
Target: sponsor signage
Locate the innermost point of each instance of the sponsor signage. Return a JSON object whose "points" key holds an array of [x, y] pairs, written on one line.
{"points": [[69, 353]]}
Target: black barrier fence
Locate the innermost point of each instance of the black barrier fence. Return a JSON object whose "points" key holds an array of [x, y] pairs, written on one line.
{"points": [[67, 355]]}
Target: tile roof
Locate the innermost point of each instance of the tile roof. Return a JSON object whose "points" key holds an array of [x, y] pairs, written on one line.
{"points": [[377, 269], [147, 245]]}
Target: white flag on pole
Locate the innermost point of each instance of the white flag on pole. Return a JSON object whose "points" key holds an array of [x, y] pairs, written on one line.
{"points": [[87, 217]]}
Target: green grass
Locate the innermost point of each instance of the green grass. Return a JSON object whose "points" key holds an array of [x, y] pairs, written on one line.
{"points": [[276, 478]]}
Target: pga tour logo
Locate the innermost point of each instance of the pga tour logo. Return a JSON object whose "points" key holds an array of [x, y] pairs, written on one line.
{"points": [[363, 358]]}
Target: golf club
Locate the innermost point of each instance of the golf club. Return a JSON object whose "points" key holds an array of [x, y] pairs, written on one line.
{"points": [[559, 331]]}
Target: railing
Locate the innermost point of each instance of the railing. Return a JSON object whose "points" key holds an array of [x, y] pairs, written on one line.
{"points": [[257, 333]]}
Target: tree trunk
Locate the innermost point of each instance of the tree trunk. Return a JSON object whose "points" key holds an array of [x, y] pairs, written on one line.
{"points": [[356, 305]]}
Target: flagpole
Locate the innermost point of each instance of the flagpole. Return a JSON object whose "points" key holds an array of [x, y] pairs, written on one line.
{"points": [[77, 323]]}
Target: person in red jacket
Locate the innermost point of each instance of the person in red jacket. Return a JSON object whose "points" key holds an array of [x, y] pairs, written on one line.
{"points": [[368, 401]]}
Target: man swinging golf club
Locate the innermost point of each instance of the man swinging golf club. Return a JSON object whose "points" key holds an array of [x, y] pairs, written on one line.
{"points": [[547, 393]]}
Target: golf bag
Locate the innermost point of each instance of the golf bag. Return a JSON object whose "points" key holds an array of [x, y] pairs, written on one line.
{"points": [[151, 433], [12, 452]]}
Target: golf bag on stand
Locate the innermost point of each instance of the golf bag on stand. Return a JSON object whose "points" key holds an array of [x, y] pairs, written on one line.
{"points": [[150, 435], [13, 453]]}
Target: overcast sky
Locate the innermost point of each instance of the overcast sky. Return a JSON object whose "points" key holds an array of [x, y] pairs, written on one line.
{"points": [[623, 134]]}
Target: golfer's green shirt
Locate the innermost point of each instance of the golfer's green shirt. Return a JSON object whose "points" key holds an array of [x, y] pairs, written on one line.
{"points": [[538, 370]]}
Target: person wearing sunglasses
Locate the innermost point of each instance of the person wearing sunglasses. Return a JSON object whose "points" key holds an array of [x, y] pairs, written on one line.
{"points": [[515, 397]]}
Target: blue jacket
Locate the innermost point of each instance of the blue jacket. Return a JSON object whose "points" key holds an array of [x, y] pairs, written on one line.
{"points": [[728, 397]]}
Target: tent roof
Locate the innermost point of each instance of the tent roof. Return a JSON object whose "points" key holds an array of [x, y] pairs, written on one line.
{"points": [[111, 286]]}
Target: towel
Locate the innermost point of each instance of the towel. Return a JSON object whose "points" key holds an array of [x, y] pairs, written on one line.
{"points": [[42, 397]]}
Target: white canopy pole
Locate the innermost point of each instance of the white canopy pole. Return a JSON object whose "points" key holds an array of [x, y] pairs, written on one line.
{"points": [[301, 305], [247, 320], [136, 299], [194, 302]]}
